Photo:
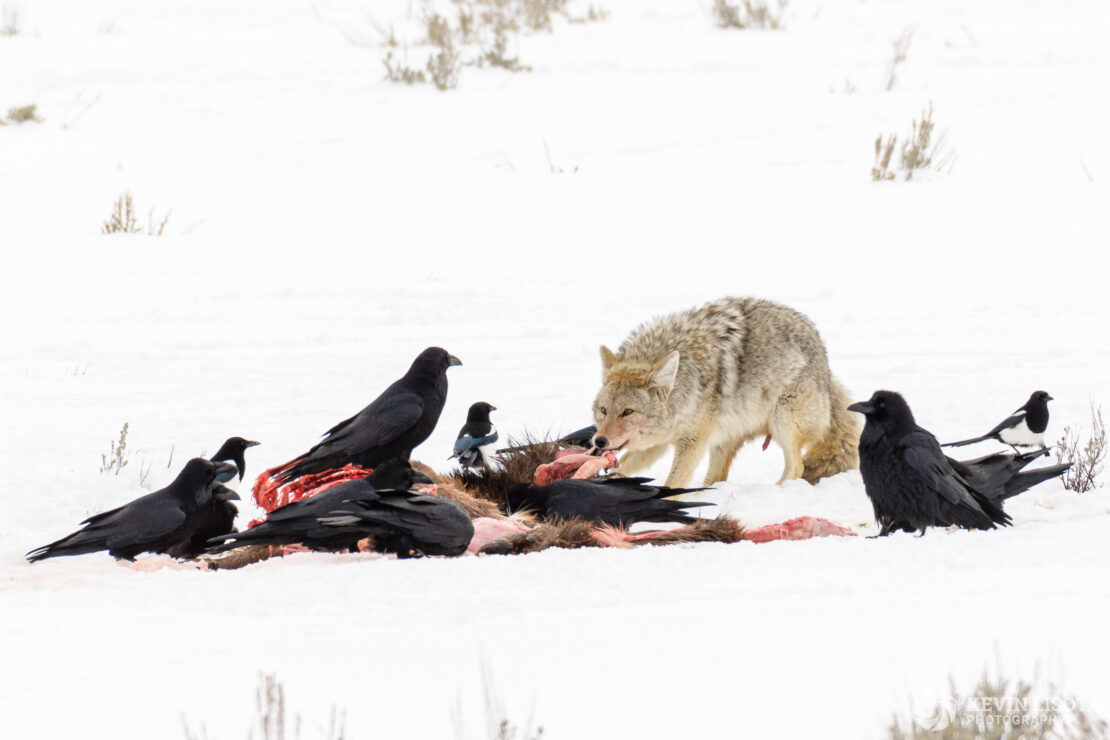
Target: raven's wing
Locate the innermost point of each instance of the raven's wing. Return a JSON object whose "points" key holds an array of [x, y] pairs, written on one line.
{"points": [[925, 460], [425, 519], [383, 421], [145, 520]]}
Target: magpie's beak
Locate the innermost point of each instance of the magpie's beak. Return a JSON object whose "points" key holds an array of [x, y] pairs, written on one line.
{"points": [[862, 407], [453, 361], [494, 408], [1050, 398], [249, 443], [421, 479]]}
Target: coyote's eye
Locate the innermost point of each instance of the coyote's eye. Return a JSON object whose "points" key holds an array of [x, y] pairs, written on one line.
{"points": [[603, 410], [627, 412]]}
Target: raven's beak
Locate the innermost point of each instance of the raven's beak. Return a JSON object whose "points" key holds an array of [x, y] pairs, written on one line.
{"points": [[223, 468], [862, 407], [1050, 398], [418, 477], [223, 493], [452, 361], [250, 444]]}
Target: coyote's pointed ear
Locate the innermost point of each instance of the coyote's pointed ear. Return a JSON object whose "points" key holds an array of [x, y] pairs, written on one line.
{"points": [[608, 359], [664, 372]]}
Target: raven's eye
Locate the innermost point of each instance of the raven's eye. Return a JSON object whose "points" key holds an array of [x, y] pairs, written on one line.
{"points": [[627, 412]]}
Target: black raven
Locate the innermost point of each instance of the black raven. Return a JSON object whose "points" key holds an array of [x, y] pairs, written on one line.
{"points": [[218, 516], [619, 502], [408, 524], [910, 482], [158, 522], [298, 522], [474, 445], [398, 420], [1023, 428]]}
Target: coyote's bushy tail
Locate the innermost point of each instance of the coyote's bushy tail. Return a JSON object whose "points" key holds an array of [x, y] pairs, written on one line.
{"points": [[838, 450]]}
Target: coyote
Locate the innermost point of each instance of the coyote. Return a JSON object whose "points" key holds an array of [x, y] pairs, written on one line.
{"points": [[714, 377]]}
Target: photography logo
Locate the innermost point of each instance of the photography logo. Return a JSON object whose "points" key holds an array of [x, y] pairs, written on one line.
{"points": [[939, 719]]}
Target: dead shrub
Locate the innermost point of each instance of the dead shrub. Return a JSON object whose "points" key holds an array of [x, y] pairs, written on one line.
{"points": [[921, 150], [1087, 459], [749, 14]]}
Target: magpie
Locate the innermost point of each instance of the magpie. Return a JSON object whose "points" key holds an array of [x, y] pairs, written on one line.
{"points": [[1023, 428], [158, 522], [910, 482], [395, 422], [233, 450], [299, 521], [618, 501], [474, 446]]}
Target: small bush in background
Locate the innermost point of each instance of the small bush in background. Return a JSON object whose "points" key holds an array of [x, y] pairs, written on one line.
{"points": [[479, 35], [921, 150], [123, 219], [9, 21], [272, 721], [901, 48], [1087, 460], [116, 458], [749, 14], [23, 114]]}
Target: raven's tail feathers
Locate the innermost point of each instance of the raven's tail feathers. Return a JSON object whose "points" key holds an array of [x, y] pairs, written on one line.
{"points": [[1025, 480]]}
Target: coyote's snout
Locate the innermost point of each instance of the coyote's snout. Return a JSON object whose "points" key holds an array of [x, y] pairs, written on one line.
{"points": [[714, 377]]}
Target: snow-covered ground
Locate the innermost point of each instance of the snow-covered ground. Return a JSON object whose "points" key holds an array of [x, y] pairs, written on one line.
{"points": [[328, 225]]}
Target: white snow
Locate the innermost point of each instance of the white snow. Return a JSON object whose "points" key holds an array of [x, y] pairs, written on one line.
{"points": [[327, 225]]}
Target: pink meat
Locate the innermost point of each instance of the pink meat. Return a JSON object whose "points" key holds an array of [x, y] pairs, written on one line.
{"points": [[574, 464], [801, 528], [487, 529]]}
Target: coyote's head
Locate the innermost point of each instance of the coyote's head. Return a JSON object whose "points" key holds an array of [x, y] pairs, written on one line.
{"points": [[631, 409]]}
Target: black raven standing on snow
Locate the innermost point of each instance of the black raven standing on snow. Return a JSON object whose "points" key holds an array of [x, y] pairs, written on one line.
{"points": [[157, 522], [618, 502], [1023, 428], [299, 521], [910, 482], [474, 446], [395, 422], [218, 516]]}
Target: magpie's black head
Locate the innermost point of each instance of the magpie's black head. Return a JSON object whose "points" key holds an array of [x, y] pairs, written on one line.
{"points": [[232, 449], [1038, 397], [885, 407], [480, 411], [397, 474]]}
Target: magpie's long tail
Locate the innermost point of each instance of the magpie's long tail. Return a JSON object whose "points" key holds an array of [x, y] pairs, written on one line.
{"points": [[963, 442]]}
